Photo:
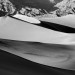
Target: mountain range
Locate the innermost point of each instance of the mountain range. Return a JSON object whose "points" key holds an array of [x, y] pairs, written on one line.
{"points": [[38, 7], [48, 5], [27, 7]]}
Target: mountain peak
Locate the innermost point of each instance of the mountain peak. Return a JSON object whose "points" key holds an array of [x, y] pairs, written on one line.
{"points": [[65, 7]]}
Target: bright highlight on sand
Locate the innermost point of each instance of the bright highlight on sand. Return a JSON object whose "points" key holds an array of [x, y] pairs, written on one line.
{"points": [[26, 18]]}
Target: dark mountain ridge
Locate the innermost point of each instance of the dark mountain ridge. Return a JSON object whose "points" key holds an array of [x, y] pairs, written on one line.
{"points": [[38, 7], [43, 4], [28, 7]]}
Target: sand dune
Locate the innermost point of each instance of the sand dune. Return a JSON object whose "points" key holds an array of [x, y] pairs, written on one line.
{"points": [[60, 56], [26, 18], [14, 29], [68, 20], [36, 43]]}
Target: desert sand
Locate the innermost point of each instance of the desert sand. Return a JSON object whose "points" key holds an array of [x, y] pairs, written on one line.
{"points": [[37, 44]]}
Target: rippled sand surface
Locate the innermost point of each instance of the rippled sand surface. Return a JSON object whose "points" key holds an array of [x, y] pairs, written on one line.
{"points": [[61, 56]]}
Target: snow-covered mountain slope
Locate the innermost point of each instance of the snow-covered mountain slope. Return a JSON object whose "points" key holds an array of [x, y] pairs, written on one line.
{"points": [[14, 29], [68, 20]]}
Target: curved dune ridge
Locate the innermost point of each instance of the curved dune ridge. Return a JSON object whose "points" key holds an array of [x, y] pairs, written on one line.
{"points": [[14, 29], [45, 24], [27, 19], [68, 20]]}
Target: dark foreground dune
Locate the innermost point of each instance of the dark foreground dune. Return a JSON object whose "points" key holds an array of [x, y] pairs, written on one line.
{"points": [[55, 55], [13, 65]]}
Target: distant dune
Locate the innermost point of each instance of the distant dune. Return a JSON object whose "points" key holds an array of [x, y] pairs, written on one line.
{"points": [[67, 20]]}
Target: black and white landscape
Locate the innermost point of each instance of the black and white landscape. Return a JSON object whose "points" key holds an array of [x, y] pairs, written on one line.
{"points": [[36, 46]]}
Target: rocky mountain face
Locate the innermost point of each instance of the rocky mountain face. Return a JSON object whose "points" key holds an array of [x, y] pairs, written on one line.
{"points": [[12, 8], [38, 7], [7, 6], [65, 7]]}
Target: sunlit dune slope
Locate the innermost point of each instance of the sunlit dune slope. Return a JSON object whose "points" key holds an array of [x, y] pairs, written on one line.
{"points": [[14, 29]]}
